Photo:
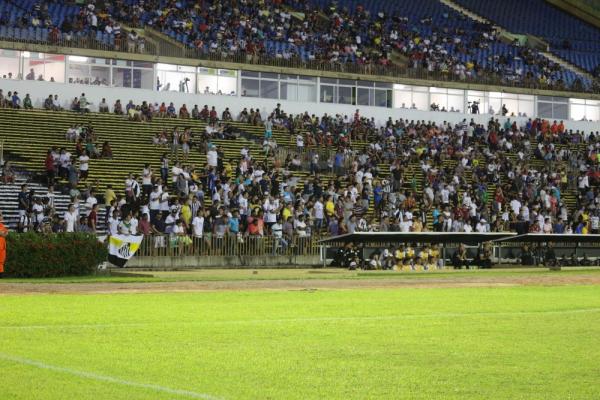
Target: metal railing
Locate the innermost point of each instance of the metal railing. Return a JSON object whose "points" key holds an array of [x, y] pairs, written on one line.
{"points": [[392, 72], [88, 42], [227, 246]]}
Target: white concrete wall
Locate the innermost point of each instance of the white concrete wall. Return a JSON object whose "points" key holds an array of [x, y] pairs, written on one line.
{"points": [[39, 91]]}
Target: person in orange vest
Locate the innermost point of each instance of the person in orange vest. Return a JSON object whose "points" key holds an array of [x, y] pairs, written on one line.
{"points": [[3, 234]]}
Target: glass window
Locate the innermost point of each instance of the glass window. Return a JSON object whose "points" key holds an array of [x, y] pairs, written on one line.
{"points": [[143, 79], [208, 81], [347, 82], [307, 78], [512, 106], [78, 73], [9, 64], [40, 66], [326, 94], [289, 91], [329, 80], [420, 100], [269, 89], [100, 75], [577, 112], [457, 92], [174, 78], [560, 111], [125, 63], [250, 87], [345, 95], [250, 74], [368, 84], [144, 64], [166, 67], [269, 75], [122, 77], [383, 98], [307, 93], [441, 99], [455, 103], [402, 98], [592, 112], [526, 108], [365, 97], [384, 85]]}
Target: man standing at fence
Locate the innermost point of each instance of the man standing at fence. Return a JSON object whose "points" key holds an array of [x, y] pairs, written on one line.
{"points": [[3, 234]]}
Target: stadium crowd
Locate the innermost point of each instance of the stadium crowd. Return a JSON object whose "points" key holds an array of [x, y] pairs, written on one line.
{"points": [[343, 174], [450, 45]]}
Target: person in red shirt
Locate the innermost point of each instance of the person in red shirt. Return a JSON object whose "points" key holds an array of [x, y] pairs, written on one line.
{"points": [[92, 219], [50, 168]]}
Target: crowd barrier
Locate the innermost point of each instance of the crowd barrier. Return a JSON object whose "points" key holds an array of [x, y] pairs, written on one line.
{"points": [[229, 245]]}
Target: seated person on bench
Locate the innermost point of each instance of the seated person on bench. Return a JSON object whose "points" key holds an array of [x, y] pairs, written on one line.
{"points": [[484, 256], [526, 255], [550, 259], [459, 259]]}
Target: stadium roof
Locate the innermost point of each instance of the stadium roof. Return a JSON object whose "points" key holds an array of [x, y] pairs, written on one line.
{"points": [[553, 238], [417, 237]]}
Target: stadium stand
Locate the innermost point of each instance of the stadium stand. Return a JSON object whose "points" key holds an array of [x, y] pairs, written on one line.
{"points": [[197, 171], [570, 38], [427, 36]]}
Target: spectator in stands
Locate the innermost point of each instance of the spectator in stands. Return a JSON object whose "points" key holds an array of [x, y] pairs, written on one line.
{"points": [[103, 106], [118, 108], [49, 103], [16, 100]]}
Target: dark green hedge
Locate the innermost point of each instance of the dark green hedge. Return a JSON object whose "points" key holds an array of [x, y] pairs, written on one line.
{"points": [[31, 255]]}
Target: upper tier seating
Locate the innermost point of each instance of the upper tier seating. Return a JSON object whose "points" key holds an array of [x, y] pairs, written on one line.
{"points": [[432, 36], [568, 36]]}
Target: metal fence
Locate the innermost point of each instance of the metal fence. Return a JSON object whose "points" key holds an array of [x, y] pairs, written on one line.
{"points": [[229, 245]]}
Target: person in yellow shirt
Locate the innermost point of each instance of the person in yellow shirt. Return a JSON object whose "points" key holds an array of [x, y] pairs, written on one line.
{"points": [[399, 257], [186, 212], [329, 207], [434, 254], [286, 212], [410, 253], [418, 264], [109, 196]]}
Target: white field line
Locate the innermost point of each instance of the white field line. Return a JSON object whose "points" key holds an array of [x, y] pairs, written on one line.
{"points": [[307, 319], [106, 378]]}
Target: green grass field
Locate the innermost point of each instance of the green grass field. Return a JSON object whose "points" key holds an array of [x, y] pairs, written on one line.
{"points": [[521, 342]]}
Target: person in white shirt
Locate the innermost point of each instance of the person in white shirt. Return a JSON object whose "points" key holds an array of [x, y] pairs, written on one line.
{"points": [[133, 229], [90, 202], [38, 212], [198, 224], [70, 219], [113, 223], [212, 158], [124, 227], [171, 221], [147, 181], [175, 171], [482, 226], [318, 213], [445, 195], [154, 202]]}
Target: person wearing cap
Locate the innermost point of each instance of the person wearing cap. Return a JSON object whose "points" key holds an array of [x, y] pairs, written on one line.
{"points": [[3, 235]]}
